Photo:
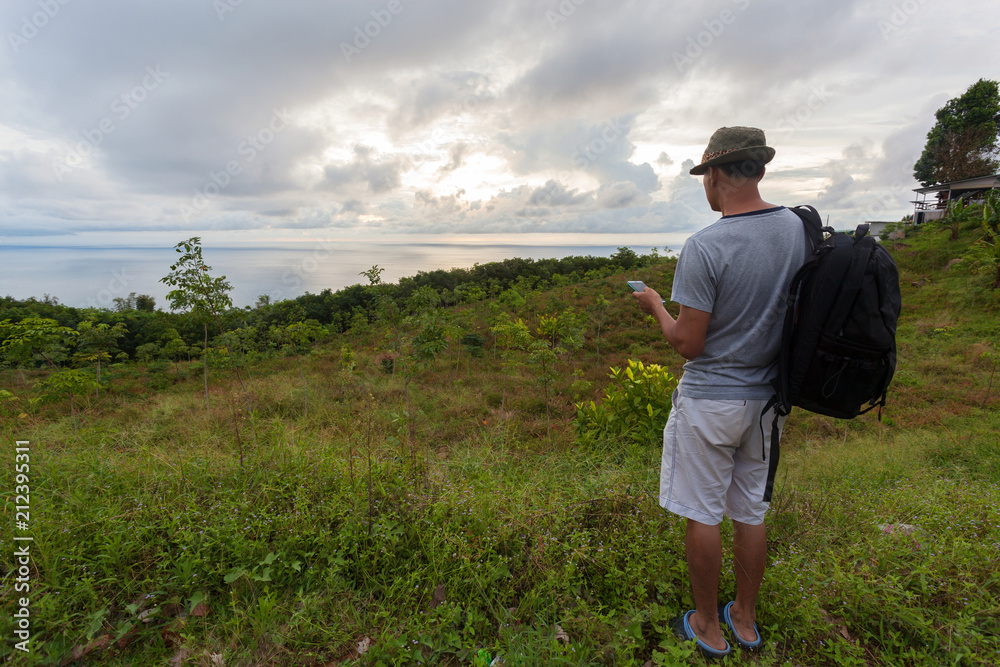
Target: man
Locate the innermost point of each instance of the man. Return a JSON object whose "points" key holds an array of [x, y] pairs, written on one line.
{"points": [[730, 283]]}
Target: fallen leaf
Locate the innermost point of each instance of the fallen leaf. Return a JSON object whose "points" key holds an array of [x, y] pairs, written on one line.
{"points": [[439, 597], [178, 658], [835, 622], [173, 609], [127, 638], [171, 637], [80, 651]]}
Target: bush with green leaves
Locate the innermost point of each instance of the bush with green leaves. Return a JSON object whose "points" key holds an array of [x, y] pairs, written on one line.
{"points": [[635, 407], [984, 255]]}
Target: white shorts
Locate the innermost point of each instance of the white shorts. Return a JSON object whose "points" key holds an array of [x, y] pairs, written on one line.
{"points": [[715, 459]]}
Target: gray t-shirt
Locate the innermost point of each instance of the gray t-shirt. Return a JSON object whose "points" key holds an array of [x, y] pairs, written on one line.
{"points": [[738, 269]]}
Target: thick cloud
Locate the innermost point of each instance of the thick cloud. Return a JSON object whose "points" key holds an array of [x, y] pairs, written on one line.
{"points": [[448, 115], [380, 174]]}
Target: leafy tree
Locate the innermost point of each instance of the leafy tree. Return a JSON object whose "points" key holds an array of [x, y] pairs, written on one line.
{"points": [[147, 351], [456, 324], [626, 258], [598, 313], [142, 302], [383, 308], [296, 337], [32, 336], [563, 328], [511, 335], [963, 142], [544, 358], [431, 338], [174, 347], [197, 291], [68, 382], [207, 297], [96, 342], [145, 303]]}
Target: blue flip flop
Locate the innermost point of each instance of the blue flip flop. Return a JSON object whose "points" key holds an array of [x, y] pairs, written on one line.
{"points": [[724, 615], [683, 629]]}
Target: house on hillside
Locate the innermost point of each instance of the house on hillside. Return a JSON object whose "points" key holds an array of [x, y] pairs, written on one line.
{"points": [[969, 189]]}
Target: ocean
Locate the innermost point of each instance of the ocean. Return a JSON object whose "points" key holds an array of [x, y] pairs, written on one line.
{"points": [[94, 276]]}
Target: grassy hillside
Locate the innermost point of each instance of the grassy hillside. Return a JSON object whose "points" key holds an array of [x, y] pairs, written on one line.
{"points": [[441, 508]]}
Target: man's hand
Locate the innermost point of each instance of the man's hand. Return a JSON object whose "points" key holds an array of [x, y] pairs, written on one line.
{"points": [[649, 300]]}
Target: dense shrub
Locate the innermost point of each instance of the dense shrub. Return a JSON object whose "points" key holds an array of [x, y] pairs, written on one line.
{"points": [[634, 408]]}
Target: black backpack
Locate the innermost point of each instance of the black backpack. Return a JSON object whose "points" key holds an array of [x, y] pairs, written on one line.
{"points": [[838, 343]]}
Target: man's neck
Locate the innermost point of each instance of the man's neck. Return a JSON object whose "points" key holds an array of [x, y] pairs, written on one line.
{"points": [[743, 207], [739, 201]]}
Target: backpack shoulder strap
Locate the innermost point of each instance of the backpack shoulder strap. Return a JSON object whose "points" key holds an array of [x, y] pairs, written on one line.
{"points": [[861, 250], [812, 222]]}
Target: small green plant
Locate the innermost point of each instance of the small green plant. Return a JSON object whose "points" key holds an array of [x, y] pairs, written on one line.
{"points": [[512, 335], [347, 359], [958, 216], [635, 407], [985, 253], [388, 362], [67, 383], [95, 343]]}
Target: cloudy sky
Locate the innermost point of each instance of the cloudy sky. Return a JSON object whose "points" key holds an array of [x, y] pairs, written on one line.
{"points": [[256, 120]]}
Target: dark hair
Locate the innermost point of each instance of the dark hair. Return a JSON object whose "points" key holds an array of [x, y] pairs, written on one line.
{"points": [[743, 169]]}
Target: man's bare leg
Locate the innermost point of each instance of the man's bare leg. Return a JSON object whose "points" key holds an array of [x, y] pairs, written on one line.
{"points": [[749, 561], [703, 547]]}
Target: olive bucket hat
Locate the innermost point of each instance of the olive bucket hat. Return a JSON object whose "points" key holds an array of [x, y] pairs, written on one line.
{"points": [[734, 144]]}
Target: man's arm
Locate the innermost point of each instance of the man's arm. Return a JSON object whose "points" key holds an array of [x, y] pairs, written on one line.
{"points": [[686, 334]]}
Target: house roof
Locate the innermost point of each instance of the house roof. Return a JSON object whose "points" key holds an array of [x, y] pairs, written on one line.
{"points": [[977, 183]]}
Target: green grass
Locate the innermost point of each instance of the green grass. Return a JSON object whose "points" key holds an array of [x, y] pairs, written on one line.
{"points": [[468, 531]]}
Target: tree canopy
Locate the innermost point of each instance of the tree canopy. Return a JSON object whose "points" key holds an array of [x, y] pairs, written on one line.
{"points": [[963, 142]]}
